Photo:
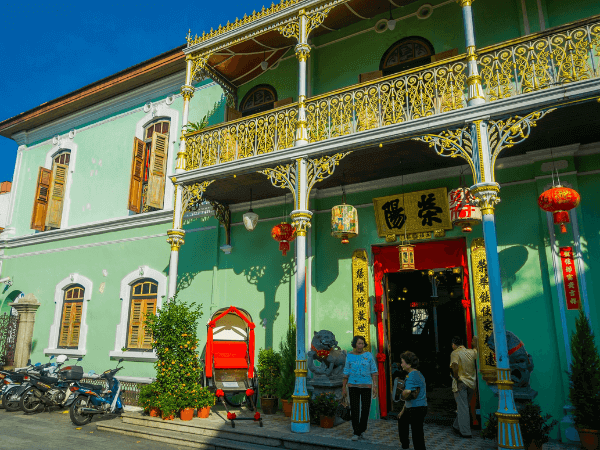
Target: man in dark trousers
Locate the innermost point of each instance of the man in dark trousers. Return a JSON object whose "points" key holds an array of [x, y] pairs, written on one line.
{"points": [[464, 373]]}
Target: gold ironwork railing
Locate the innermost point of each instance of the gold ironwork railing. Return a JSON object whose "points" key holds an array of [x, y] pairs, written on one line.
{"points": [[557, 56]]}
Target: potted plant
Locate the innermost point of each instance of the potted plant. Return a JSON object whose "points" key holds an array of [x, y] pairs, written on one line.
{"points": [[325, 406], [287, 380], [148, 399], [269, 370], [204, 400], [186, 399], [490, 431], [584, 383], [167, 403], [535, 428]]}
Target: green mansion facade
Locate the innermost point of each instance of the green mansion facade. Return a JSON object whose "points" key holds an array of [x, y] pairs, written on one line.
{"points": [[104, 173]]}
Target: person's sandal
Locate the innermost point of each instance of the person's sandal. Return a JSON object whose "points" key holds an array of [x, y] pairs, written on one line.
{"points": [[355, 438]]}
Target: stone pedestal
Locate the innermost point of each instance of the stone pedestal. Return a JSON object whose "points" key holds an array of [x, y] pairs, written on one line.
{"points": [[26, 307], [521, 395], [321, 384]]}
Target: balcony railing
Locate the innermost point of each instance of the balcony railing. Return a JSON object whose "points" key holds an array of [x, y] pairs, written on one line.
{"points": [[558, 56]]}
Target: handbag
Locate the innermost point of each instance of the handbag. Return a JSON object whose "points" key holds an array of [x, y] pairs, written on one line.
{"points": [[343, 409]]}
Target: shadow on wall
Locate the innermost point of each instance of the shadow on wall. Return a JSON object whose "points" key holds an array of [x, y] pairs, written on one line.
{"points": [[512, 260]]}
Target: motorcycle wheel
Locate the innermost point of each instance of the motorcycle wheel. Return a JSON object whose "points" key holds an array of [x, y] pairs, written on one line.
{"points": [[29, 403], [10, 401], [76, 417]]}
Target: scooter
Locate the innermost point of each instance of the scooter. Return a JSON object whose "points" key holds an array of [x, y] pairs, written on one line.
{"points": [[15, 382], [89, 402], [47, 391]]}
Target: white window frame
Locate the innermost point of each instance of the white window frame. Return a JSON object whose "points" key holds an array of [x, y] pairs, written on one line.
{"points": [[59, 296], [132, 278]]}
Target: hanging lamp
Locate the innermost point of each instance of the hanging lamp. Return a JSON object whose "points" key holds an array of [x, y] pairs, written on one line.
{"points": [[264, 64], [406, 251], [559, 200], [391, 24], [284, 233], [344, 220], [463, 211], [250, 218]]}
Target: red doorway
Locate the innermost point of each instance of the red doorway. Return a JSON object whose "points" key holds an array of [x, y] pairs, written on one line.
{"points": [[428, 255]]}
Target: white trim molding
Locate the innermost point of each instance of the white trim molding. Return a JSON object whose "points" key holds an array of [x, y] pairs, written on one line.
{"points": [[59, 295], [121, 333]]}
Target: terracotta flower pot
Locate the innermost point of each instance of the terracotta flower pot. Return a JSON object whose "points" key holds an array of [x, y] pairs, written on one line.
{"points": [[154, 412], [268, 405], [326, 422], [203, 413], [589, 439], [171, 417], [187, 414], [287, 407]]}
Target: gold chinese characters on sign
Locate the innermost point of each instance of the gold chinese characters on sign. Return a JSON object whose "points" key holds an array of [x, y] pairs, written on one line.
{"points": [[420, 212], [483, 310], [360, 295]]}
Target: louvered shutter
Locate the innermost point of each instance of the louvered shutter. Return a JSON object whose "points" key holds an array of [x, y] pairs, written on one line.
{"points": [[137, 168], [40, 203], [57, 194], [150, 308], [135, 323], [65, 325], [75, 324], [158, 170], [70, 325]]}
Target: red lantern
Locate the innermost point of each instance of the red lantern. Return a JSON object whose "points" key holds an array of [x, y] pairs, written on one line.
{"points": [[284, 233], [559, 200]]}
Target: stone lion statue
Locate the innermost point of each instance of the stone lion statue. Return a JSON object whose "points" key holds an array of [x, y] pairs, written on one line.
{"points": [[324, 348], [521, 362]]}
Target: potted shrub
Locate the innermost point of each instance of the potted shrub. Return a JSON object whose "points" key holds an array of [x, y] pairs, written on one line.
{"points": [[167, 403], [584, 383], [204, 400], [287, 380], [535, 428], [269, 370], [325, 406], [186, 399], [490, 431], [148, 399]]}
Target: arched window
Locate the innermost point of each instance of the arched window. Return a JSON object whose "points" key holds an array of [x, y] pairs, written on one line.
{"points": [[70, 323], [406, 54], [144, 295], [148, 170], [50, 193], [259, 99]]}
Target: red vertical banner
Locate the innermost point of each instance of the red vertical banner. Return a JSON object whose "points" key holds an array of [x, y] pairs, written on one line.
{"points": [[570, 278]]}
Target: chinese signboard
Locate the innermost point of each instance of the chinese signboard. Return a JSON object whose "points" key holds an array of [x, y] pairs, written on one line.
{"points": [[419, 212], [570, 277], [360, 295], [483, 309]]}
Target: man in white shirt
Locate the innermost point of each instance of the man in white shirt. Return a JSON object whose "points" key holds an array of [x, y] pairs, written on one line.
{"points": [[464, 374]]}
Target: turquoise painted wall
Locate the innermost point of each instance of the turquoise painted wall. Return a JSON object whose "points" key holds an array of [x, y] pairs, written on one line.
{"points": [[560, 12]]}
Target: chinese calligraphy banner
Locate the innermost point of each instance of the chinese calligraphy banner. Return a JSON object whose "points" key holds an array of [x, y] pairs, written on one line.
{"points": [[360, 295], [483, 309], [419, 212], [570, 278]]}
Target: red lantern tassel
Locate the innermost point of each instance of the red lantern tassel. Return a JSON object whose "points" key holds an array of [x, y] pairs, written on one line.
{"points": [[284, 246], [560, 218]]}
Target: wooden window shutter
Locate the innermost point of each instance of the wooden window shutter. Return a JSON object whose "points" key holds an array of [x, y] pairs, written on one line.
{"points": [[369, 76], [57, 195], [137, 169], [71, 324], [232, 114], [158, 170], [40, 203], [137, 336]]}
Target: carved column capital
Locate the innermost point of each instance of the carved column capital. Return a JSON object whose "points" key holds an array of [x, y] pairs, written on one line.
{"points": [[464, 3], [175, 239], [302, 51], [187, 92], [486, 196], [301, 220]]}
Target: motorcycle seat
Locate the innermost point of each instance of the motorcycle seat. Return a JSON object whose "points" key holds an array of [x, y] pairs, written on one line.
{"points": [[91, 387], [49, 380]]}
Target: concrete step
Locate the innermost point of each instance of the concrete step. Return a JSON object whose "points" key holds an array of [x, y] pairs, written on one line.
{"points": [[215, 433], [177, 438]]}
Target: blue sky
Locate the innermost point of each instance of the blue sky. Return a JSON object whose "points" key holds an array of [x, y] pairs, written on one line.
{"points": [[49, 49]]}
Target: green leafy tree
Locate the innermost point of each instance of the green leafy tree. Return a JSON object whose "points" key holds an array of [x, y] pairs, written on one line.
{"points": [[174, 334], [584, 376], [287, 349], [269, 371]]}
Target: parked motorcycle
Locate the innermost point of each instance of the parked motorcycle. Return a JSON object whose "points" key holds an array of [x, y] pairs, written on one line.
{"points": [[15, 382], [46, 391], [89, 401]]}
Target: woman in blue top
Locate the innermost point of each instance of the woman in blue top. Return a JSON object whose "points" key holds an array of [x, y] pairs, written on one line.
{"points": [[360, 376], [415, 407]]}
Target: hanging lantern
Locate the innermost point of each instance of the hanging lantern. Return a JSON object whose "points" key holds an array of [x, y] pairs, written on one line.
{"points": [[250, 218], [559, 200], [344, 222], [407, 257], [463, 211], [284, 233]]}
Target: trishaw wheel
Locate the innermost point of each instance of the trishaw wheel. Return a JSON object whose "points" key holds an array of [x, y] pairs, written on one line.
{"points": [[235, 399]]}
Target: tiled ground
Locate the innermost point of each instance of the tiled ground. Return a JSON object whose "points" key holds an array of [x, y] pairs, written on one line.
{"points": [[383, 432]]}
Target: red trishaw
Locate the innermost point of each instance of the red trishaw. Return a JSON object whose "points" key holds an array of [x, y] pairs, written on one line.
{"points": [[229, 360]]}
